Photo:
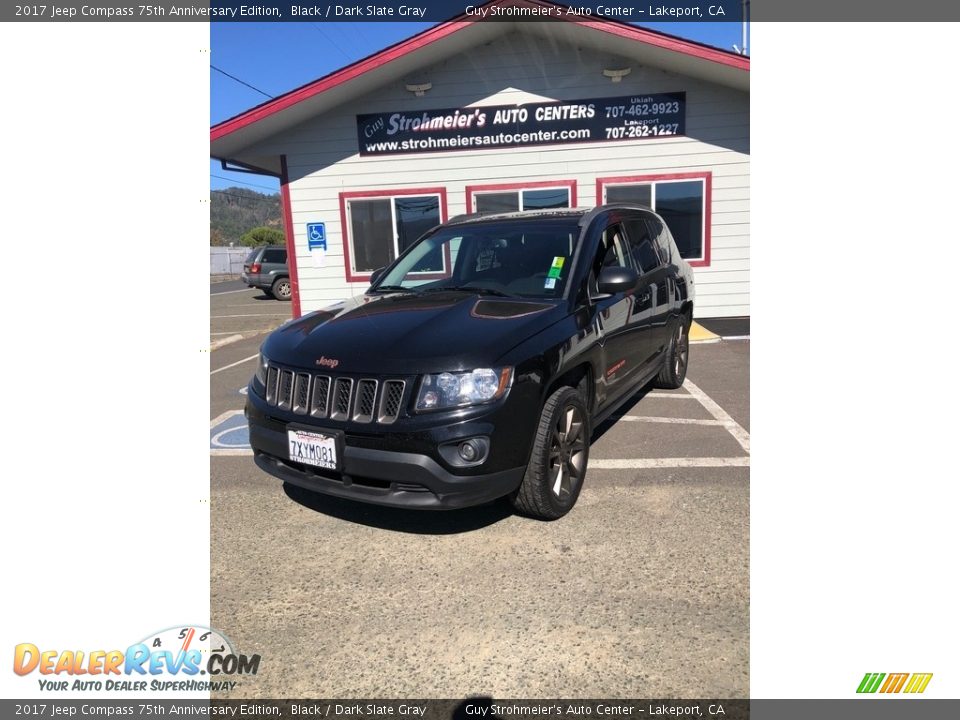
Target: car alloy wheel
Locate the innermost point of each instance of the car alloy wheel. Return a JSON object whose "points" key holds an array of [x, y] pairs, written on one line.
{"points": [[282, 289], [681, 350], [568, 452], [558, 458]]}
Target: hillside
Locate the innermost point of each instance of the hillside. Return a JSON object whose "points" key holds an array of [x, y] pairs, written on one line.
{"points": [[235, 210]]}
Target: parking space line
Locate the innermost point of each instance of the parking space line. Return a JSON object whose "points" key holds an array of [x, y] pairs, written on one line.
{"points": [[680, 462], [238, 362], [231, 292], [670, 420], [675, 396], [231, 452], [224, 416], [732, 426]]}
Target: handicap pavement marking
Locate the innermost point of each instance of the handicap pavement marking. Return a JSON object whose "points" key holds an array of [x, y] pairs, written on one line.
{"points": [[229, 434]]}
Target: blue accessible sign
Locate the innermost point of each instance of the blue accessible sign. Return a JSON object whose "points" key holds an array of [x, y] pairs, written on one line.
{"points": [[317, 236]]}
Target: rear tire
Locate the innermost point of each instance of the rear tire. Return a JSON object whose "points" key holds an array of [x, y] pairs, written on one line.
{"points": [[674, 369], [281, 289], [558, 462]]}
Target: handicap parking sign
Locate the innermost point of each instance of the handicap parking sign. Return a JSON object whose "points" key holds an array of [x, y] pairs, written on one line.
{"points": [[317, 236]]}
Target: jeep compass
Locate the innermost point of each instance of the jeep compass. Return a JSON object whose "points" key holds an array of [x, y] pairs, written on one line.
{"points": [[477, 364]]}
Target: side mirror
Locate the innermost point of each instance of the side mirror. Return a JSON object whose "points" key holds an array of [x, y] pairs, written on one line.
{"points": [[615, 280], [376, 275]]}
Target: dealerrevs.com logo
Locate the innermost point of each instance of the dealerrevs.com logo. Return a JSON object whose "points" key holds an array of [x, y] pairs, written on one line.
{"points": [[894, 682], [182, 659]]}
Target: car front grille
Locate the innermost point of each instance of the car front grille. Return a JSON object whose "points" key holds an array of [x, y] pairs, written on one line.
{"points": [[364, 400]]}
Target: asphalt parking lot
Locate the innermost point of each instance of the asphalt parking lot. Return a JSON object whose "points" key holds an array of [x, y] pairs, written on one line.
{"points": [[641, 591]]}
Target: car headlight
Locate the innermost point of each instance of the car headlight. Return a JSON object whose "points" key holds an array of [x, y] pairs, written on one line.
{"points": [[262, 369], [448, 390]]}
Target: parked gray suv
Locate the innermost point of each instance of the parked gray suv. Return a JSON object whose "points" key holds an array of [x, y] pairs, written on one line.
{"points": [[266, 268]]}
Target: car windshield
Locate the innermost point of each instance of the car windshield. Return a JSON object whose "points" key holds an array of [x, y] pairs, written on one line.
{"points": [[518, 258]]}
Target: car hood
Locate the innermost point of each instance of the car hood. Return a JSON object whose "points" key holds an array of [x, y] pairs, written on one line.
{"points": [[406, 333]]}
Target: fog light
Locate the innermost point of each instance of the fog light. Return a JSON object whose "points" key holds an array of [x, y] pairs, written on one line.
{"points": [[469, 451]]}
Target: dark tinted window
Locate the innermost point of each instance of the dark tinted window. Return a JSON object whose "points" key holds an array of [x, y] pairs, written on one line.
{"points": [[252, 257], [639, 194], [416, 215], [541, 199], [371, 230], [274, 255], [497, 202], [641, 245], [680, 204]]}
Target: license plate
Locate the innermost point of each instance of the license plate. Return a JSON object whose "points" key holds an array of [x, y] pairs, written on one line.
{"points": [[313, 448]]}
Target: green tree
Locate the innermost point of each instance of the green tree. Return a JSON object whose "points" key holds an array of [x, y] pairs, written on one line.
{"points": [[262, 236]]}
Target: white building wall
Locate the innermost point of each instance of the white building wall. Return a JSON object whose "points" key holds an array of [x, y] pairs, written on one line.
{"points": [[323, 158]]}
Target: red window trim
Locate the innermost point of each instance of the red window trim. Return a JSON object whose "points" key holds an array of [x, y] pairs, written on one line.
{"points": [[472, 190], [386, 195], [707, 178]]}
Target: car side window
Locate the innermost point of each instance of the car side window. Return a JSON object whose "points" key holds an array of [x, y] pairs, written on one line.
{"points": [[660, 235], [641, 245], [272, 255], [612, 250]]}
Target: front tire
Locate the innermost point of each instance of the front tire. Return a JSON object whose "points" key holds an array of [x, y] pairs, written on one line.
{"points": [[281, 289], [558, 462], [674, 369]]}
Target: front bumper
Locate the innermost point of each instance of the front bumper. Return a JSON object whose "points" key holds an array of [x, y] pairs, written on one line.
{"points": [[389, 477]]}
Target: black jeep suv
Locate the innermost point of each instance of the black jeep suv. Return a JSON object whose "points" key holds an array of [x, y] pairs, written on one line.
{"points": [[477, 363]]}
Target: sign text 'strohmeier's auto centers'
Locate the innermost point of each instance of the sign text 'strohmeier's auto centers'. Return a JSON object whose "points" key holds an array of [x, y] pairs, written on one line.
{"points": [[611, 119]]}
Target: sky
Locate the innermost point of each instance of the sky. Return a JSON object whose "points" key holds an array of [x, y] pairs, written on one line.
{"points": [[274, 58]]}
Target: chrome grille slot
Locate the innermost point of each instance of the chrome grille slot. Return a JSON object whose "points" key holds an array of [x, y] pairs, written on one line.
{"points": [[366, 401], [301, 394], [342, 389], [285, 390], [321, 394], [272, 374], [390, 401]]}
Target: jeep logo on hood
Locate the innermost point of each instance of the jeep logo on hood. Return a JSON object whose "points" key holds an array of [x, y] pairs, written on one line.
{"points": [[327, 362]]}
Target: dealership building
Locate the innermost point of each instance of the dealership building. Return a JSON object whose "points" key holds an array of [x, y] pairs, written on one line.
{"points": [[484, 116]]}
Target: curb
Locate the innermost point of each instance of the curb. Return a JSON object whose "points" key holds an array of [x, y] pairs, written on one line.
{"points": [[699, 334]]}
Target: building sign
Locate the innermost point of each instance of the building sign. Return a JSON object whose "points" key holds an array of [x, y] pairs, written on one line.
{"points": [[613, 119], [317, 243]]}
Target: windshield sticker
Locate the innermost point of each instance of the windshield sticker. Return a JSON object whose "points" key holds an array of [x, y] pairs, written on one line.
{"points": [[550, 283], [558, 262], [554, 272]]}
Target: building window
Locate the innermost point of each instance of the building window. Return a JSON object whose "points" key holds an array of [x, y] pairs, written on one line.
{"points": [[521, 196], [379, 226], [682, 200]]}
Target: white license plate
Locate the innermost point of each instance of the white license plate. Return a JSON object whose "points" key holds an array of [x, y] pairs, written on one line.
{"points": [[312, 448]]}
